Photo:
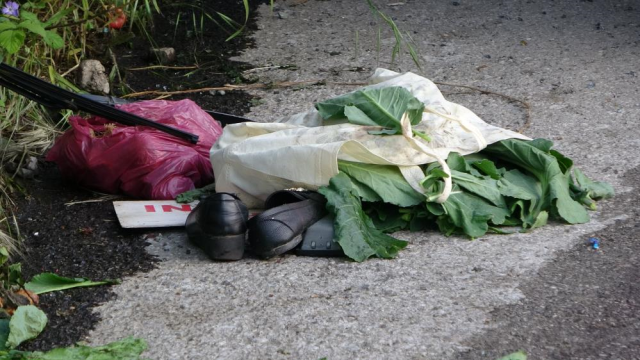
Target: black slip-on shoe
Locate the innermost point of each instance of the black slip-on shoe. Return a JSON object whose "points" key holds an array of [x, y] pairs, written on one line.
{"points": [[218, 226], [279, 228]]}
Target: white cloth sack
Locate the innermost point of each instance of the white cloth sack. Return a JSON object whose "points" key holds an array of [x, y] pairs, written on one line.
{"points": [[254, 160]]}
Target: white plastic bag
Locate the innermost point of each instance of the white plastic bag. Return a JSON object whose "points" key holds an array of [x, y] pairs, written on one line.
{"points": [[254, 160]]}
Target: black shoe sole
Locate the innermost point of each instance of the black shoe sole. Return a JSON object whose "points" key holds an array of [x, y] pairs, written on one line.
{"points": [[280, 249], [226, 248]]}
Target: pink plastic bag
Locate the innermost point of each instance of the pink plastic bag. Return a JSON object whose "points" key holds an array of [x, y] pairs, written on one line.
{"points": [[139, 161]]}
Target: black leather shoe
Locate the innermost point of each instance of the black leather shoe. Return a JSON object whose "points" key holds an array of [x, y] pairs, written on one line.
{"points": [[218, 226], [279, 228]]}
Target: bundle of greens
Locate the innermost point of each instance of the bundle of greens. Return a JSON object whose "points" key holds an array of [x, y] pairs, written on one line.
{"points": [[512, 185]]}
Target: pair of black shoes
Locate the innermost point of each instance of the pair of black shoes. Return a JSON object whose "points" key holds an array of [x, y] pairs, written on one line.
{"points": [[220, 222]]}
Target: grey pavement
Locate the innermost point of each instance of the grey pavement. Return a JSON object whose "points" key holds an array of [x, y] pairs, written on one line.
{"points": [[575, 63]]}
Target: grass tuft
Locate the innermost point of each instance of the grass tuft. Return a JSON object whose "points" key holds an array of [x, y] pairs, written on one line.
{"points": [[401, 39]]}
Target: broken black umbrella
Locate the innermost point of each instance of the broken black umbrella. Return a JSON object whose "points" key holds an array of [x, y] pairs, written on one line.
{"points": [[56, 97]]}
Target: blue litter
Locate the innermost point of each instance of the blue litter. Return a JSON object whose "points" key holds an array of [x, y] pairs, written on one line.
{"points": [[595, 243]]}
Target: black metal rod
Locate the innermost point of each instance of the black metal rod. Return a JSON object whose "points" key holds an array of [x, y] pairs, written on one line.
{"points": [[33, 97], [48, 94], [223, 118]]}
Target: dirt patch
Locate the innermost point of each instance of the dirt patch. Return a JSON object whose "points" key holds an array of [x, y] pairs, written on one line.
{"points": [[583, 305], [85, 240], [82, 240], [187, 26]]}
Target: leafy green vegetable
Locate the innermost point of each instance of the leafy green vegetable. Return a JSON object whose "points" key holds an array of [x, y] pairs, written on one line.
{"points": [[432, 184], [386, 181], [512, 183], [485, 187], [520, 186], [540, 220], [459, 163], [125, 349], [528, 191], [354, 230], [545, 167], [387, 218], [390, 218], [471, 214], [520, 355], [538, 185], [26, 323], [588, 191], [375, 107], [195, 194], [365, 192], [541, 144], [48, 282], [487, 167]]}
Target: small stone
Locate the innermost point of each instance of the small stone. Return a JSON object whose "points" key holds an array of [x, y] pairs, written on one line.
{"points": [[591, 84], [32, 164], [283, 14], [163, 56], [92, 77]]}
